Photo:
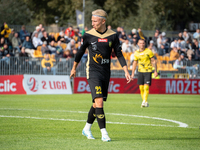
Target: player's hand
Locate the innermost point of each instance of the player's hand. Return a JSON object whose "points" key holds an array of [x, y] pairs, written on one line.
{"points": [[73, 73], [155, 73], [131, 78], [128, 77]]}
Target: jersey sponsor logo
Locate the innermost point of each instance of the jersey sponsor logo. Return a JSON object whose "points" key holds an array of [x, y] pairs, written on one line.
{"points": [[98, 58], [102, 40]]}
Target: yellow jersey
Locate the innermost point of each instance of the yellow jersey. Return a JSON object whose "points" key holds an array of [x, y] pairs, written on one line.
{"points": [[144, 60]]}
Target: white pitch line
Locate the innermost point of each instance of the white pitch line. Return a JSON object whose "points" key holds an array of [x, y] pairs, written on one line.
{"points": [[181, 124], [28, 117]]}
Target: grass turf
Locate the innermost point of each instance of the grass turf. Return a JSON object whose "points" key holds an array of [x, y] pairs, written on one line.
{"points": [[56, 121]]}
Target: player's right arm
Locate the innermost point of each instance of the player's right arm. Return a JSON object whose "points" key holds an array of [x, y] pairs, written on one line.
{"points": [[79, 56], [134, 68]]}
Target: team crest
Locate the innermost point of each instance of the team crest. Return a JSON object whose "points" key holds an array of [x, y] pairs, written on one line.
{"points": [[110, 44]]}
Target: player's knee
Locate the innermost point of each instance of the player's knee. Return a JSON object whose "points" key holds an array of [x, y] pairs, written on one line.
{"points": [[99, 102]]}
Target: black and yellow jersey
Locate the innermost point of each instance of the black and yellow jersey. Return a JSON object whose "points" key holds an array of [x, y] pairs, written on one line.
{"points": [[144, 60], [99, 52]]}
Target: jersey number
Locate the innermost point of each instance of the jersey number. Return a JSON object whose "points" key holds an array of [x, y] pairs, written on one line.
{"points": [[98, 89]]}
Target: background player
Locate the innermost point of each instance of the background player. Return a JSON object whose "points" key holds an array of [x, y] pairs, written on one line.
{"points": [[100, 41], [145, 59]]}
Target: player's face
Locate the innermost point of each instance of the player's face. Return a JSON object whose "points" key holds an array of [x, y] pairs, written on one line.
{"points": [[141, 44], [97, 23]]}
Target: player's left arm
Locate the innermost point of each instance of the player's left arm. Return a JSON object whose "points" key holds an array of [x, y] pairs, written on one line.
{"points": [[154, 64], [122, 61]]}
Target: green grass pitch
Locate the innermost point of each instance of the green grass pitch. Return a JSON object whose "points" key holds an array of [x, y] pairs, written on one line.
{"points": [[55, 122]]}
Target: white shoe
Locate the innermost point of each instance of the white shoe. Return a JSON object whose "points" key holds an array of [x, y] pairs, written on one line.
{"points": [[146, 104], [105, 138], [88, 134], [143, 104]]}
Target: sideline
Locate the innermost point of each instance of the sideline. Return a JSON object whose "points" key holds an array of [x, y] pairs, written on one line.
{"points": [[180, 124]]}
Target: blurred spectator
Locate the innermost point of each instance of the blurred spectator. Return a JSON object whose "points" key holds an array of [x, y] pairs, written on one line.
{"points": [[67, 54], [67, 37], [74, 52], [6, 50], [47, 65], [29, 48], [37, 30], [191, 68], [45, 49], [84, 57], [159, 41], [118, 31], [23, 33], [52, 37], [152, 47], [2, 42], [61, 37], [5, 32], [126, 46], [11, 35], [131, 60], [154, 38], [84, 30], [134, 45], [71, 45], [186, 35], [174, 43], [174, 54], [78, 45], [52, 48], [133, 32], [178, 64], [189, 50], [130, 38], [197, 54], [45, 37], [195, 46], [4, 55], [36, 41], [182, 46], [24, 59], [70, 31], [180, 35], [40, 33], [122, 37], [140, 34], [161, 50], [16, 42], [196, 35], [59, 50]]}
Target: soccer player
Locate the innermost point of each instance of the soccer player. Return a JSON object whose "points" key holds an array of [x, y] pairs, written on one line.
{"points": [[145, 59], [99, 42]]}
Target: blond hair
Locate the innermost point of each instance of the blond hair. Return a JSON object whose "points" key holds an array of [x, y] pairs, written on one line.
{"points": [[100, 13]]}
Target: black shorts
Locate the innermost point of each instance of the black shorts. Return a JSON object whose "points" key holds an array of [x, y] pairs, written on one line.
{"points": [[144, 78], [99, 88]]}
